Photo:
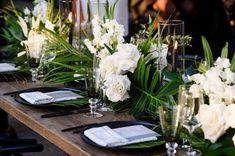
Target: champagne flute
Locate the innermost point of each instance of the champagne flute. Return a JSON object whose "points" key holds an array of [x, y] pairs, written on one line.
{"points": [[170, 124], [182, 89], [93, 93], [188, 103]]}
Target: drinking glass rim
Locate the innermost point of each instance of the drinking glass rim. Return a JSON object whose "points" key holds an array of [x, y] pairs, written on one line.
{"points": [[171, 22]]}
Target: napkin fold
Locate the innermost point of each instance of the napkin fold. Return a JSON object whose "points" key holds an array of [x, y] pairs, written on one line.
{"points": [[63, 95], [36, 98], [7, 67], [45, 98], [107, 137]]}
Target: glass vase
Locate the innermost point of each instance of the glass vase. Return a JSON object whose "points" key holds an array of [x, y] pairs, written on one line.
{"points": [[171, 40]]}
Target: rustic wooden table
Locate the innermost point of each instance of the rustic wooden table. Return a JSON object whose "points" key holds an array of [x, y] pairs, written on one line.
{"points": [[50, 128]]}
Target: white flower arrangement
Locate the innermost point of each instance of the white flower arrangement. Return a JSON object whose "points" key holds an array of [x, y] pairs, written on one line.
{"points": [[113, 67], [35, 40], [106, 34], [218, 83], [40, 9]]}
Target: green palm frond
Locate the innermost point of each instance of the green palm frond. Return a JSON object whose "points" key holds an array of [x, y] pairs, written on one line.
{"points": [[207, 53], [233, 63], [68, 61], [224, 53], [148, 91]]}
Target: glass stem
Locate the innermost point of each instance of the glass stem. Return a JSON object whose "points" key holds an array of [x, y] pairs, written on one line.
{"points": [[191, 129], [104, 98], [171, 148], [92, 108], [34, 73]]}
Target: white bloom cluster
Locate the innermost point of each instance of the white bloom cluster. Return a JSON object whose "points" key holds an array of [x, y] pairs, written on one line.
{"points": [[34, 45], [113, 67], [108, 33], [159, 55], [218, 83], [40, 9], [35, 41]]}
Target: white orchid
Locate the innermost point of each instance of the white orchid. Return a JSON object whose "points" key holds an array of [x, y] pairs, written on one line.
{"points": [[40, 9], [106, 34], [23, 26]]}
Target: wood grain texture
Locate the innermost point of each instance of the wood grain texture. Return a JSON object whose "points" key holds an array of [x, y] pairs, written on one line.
{"points": [[50, 128]]}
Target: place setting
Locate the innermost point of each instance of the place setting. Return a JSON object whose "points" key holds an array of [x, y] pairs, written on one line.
{"points": [[96, 78]]}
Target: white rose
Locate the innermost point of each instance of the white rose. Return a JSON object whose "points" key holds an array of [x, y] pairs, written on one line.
{"points": [[222, 62], [196, 90], [198, 78], [229, 94], [213, 86], [117, 87], [129, 51], [215, 99], [108, 67], [213, 74], [213, 123], [229, 115], [228, 76], [123, 64]]}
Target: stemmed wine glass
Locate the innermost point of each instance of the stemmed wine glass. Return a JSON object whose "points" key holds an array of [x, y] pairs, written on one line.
{"points": [[190, 106], [93, 92], [170, 124], [34, 53], [104, 107]]}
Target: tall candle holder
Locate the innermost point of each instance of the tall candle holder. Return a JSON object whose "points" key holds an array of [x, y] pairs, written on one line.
{"points": [[171, 34]]}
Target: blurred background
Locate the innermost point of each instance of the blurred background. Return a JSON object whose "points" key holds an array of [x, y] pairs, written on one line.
{"points": [[214, 19]]}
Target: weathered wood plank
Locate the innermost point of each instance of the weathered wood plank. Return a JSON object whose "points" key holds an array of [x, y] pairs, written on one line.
{"points": [[50, 128]]}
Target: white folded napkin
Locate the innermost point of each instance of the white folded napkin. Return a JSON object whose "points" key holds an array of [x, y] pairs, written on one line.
{"points": [[63, 95], [36, 98], [5, 67], [44, 98], [107, 137], [137, 133]]}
